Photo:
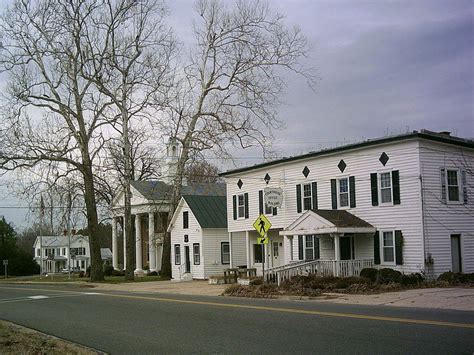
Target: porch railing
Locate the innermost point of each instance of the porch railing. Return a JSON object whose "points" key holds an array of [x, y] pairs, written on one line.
{"points": [[340, 268]]}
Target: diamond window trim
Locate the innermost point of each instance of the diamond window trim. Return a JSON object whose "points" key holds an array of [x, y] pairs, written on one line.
{"points": [[384, 158], [267, 178], [306, 171], [342, 165], [240, 184]]}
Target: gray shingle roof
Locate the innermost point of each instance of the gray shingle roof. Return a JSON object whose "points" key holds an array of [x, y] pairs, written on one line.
{"points": [[210, 211], [158, 190], [342, 218]]}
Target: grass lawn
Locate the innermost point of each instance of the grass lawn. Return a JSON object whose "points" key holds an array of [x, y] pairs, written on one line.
{"points": [[78, 280]]}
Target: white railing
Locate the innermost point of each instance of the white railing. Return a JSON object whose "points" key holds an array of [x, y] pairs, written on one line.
{"points": [[182, 270], [340, 268]]}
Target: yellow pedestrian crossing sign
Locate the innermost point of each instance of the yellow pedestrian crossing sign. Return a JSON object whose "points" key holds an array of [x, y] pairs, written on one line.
{"points": [[263, 240], [262, 225]]}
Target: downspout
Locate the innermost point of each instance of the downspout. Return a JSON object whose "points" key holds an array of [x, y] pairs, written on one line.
{"points": [[420, 168]]}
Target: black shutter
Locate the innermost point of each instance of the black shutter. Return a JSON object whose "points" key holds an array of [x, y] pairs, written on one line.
{"points": [[314, 194], [333, 194], [275, 211], [298, 198], [352, 191], [443, 185], [246, 201], [376, 248], [464, 186], [396, 187], [234, 206], [260, 201], [316, 248], [374, 189], [300, 247], [398, 248]]}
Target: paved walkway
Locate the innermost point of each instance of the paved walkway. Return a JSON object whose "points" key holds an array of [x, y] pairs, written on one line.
{"points": [[438, 298]]}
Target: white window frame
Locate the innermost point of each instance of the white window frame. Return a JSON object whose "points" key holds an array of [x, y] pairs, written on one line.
{"points": [[225, 253], [313, 248], [459, 186], [338, 187], [196, 256], [382, 246], [310, 197], [239, 206], [177, 256], [379, 187]]}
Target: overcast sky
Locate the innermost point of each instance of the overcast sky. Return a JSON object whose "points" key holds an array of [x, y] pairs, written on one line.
{"points": [[385, 67]]}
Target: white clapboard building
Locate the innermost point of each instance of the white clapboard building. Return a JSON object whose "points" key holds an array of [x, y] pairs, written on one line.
{"points": [[404, 202]]}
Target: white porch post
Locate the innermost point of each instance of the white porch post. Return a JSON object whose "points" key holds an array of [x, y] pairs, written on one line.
{"points": [[138, 243], [151, 240], [247, 248], [114, 244], [336, 253], [124, 245], [231, 265]]}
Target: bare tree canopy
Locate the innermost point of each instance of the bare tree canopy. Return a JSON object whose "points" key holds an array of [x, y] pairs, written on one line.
{"points": [[228, 90], [58, 55]]}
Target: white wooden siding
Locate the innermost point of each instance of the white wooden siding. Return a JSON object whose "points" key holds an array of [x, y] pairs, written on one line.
{"points": [[211, 250], [403, 156], [441, 219], [238, 249], [177, 237]]}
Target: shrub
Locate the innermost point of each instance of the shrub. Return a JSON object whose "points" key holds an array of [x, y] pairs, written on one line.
{"points": [[153, 273], [88, 271], [387, 275], [455, 278], [411, 279], [346, 282], [369, 273], [108, 269], [255, 281], [81, 274], [117, 273]]}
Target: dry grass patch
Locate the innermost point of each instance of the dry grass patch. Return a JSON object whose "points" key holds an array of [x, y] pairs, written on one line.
{"points": [[15, 339]]}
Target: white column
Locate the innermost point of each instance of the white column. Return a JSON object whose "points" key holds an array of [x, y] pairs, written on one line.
{"points": [[151, 240], [124, 245], [336, 254], [247, 248], [114, 244], [138, 245], [230, 250]]}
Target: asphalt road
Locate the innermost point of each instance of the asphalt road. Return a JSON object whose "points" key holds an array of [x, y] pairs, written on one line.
{"points": [[126, 323]]}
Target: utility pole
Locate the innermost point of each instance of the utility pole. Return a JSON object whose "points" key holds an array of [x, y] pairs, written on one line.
{"points": [[41, 235]]}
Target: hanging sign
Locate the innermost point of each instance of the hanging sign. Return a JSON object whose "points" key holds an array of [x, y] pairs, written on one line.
{"points": [[273, 196]]}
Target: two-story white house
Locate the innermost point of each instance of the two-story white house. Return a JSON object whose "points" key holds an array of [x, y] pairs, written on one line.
{"points": [[54, 252], [404, 202]]}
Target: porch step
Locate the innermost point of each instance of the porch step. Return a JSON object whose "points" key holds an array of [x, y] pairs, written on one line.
{"points": [[184, 278]]}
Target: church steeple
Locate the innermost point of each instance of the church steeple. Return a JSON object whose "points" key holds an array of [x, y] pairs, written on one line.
{"points": [[173, 152]]}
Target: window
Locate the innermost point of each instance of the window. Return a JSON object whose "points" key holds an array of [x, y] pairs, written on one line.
{"points": [[452, 183], [388, 248], [385, 187], [343, 194], [275, 249], [196, 254], [185, 220], [311, 247], [38, 252], [177, 254], [257, 253], [64, 251], [225, 253], [268, 209], [291, 248], [307, 197], [240, 206]]}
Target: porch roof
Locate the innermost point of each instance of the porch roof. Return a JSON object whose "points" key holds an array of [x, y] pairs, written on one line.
{"points": [[327, 222]]}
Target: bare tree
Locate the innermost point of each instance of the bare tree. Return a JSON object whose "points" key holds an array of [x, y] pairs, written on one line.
{"points": [[229, 89], [137, 62], [201, 171], [76, 69]]}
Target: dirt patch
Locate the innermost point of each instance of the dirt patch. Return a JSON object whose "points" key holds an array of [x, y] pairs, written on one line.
{"points": [[15, 339]]}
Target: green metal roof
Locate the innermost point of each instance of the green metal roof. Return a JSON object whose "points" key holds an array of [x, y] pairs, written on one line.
{"points": [[210, 211]]}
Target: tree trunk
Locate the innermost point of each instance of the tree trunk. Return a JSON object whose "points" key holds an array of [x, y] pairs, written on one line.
{"points": [[96, 273]]}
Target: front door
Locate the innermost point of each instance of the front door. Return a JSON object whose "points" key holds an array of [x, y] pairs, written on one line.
{"points": [[346, 248], [188, 259], [276, 251], [456, 253]]}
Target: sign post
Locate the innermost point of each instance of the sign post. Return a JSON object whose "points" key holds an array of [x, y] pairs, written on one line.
{"points": [[262, 225], [5, 263]]}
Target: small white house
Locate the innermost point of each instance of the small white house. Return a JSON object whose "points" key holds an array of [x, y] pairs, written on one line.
{"points": [[404, 202], [199, 239], [54, 253]]}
